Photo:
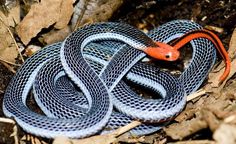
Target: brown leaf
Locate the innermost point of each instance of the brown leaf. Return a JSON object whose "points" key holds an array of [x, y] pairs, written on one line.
{"points": [[89, 11], [66, 12], [232, 45], [13, 16], [55, 35], [215, 75], [214, 28], [225, 134], [185, 115], [103, 139], [126, 138], [8, 51], [186, 128], [31, 50], [194, 142], [211, 119], [99, 139], [43, 15]]}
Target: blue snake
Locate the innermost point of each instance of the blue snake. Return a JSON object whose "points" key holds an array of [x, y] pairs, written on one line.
{"points": [[77, 82]]}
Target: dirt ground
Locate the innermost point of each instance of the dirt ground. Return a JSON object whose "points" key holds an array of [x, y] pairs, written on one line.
{"points": [[145, 15]]}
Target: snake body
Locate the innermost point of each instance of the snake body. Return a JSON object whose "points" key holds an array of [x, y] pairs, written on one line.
{"points": [[96, 58]]}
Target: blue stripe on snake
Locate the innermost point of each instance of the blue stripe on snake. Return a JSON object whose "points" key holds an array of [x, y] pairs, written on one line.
{"points": [[96, 58]]}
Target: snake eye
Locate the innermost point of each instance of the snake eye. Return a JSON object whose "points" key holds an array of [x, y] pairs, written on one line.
{"points": [[167, 56]]}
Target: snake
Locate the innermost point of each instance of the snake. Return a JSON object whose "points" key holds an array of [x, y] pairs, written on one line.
{"points": [[81, 83]]}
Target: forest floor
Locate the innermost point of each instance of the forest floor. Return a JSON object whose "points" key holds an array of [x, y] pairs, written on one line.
{"points": [[210, 118]]}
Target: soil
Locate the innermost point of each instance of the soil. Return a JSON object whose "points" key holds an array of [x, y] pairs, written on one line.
{"points": [[147, 14]]}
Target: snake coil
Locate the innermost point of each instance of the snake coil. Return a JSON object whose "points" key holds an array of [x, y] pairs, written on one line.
{"points": [[77, 82]]}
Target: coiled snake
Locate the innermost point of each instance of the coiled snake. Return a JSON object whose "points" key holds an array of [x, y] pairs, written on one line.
{"points": [[96, 58]]}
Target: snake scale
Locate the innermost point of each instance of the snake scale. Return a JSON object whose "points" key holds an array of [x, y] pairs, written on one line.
{"points": [[77, 82]]}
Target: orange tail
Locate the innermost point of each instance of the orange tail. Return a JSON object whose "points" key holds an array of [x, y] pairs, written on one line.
{"points": [[213, 38]]}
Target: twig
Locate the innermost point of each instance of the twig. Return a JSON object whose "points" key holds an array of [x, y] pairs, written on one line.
{"points": [[15, 134], [1, 91], [36, 140], [43, 142], [81, 14], [126, 128], [10, 68], [196, 94], [7, 120], [99, 139], [32, 139], [8, 62]]}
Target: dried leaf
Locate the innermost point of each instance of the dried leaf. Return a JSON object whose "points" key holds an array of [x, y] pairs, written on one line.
{"points": [[231, 119], [232, 45], [186, 128], [127, 139], [194, 142], [8, 51], [214, 28], [62, 140], [225, 134], [8, 131], [66, 12], [211, 119], [55, 35], [99, 139], [31, 49], [36, 141], [42, 15], [88, 11], [13, 16], [186, 114], [215, 75]]}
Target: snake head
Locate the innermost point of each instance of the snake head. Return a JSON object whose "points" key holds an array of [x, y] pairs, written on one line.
{"points": [[163, 51]]}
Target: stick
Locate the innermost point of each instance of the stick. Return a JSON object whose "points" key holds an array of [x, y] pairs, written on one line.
{"points": [[196, 94]]}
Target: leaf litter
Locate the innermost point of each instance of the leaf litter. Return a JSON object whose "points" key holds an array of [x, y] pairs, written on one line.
{"points": [[42, 15]]}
